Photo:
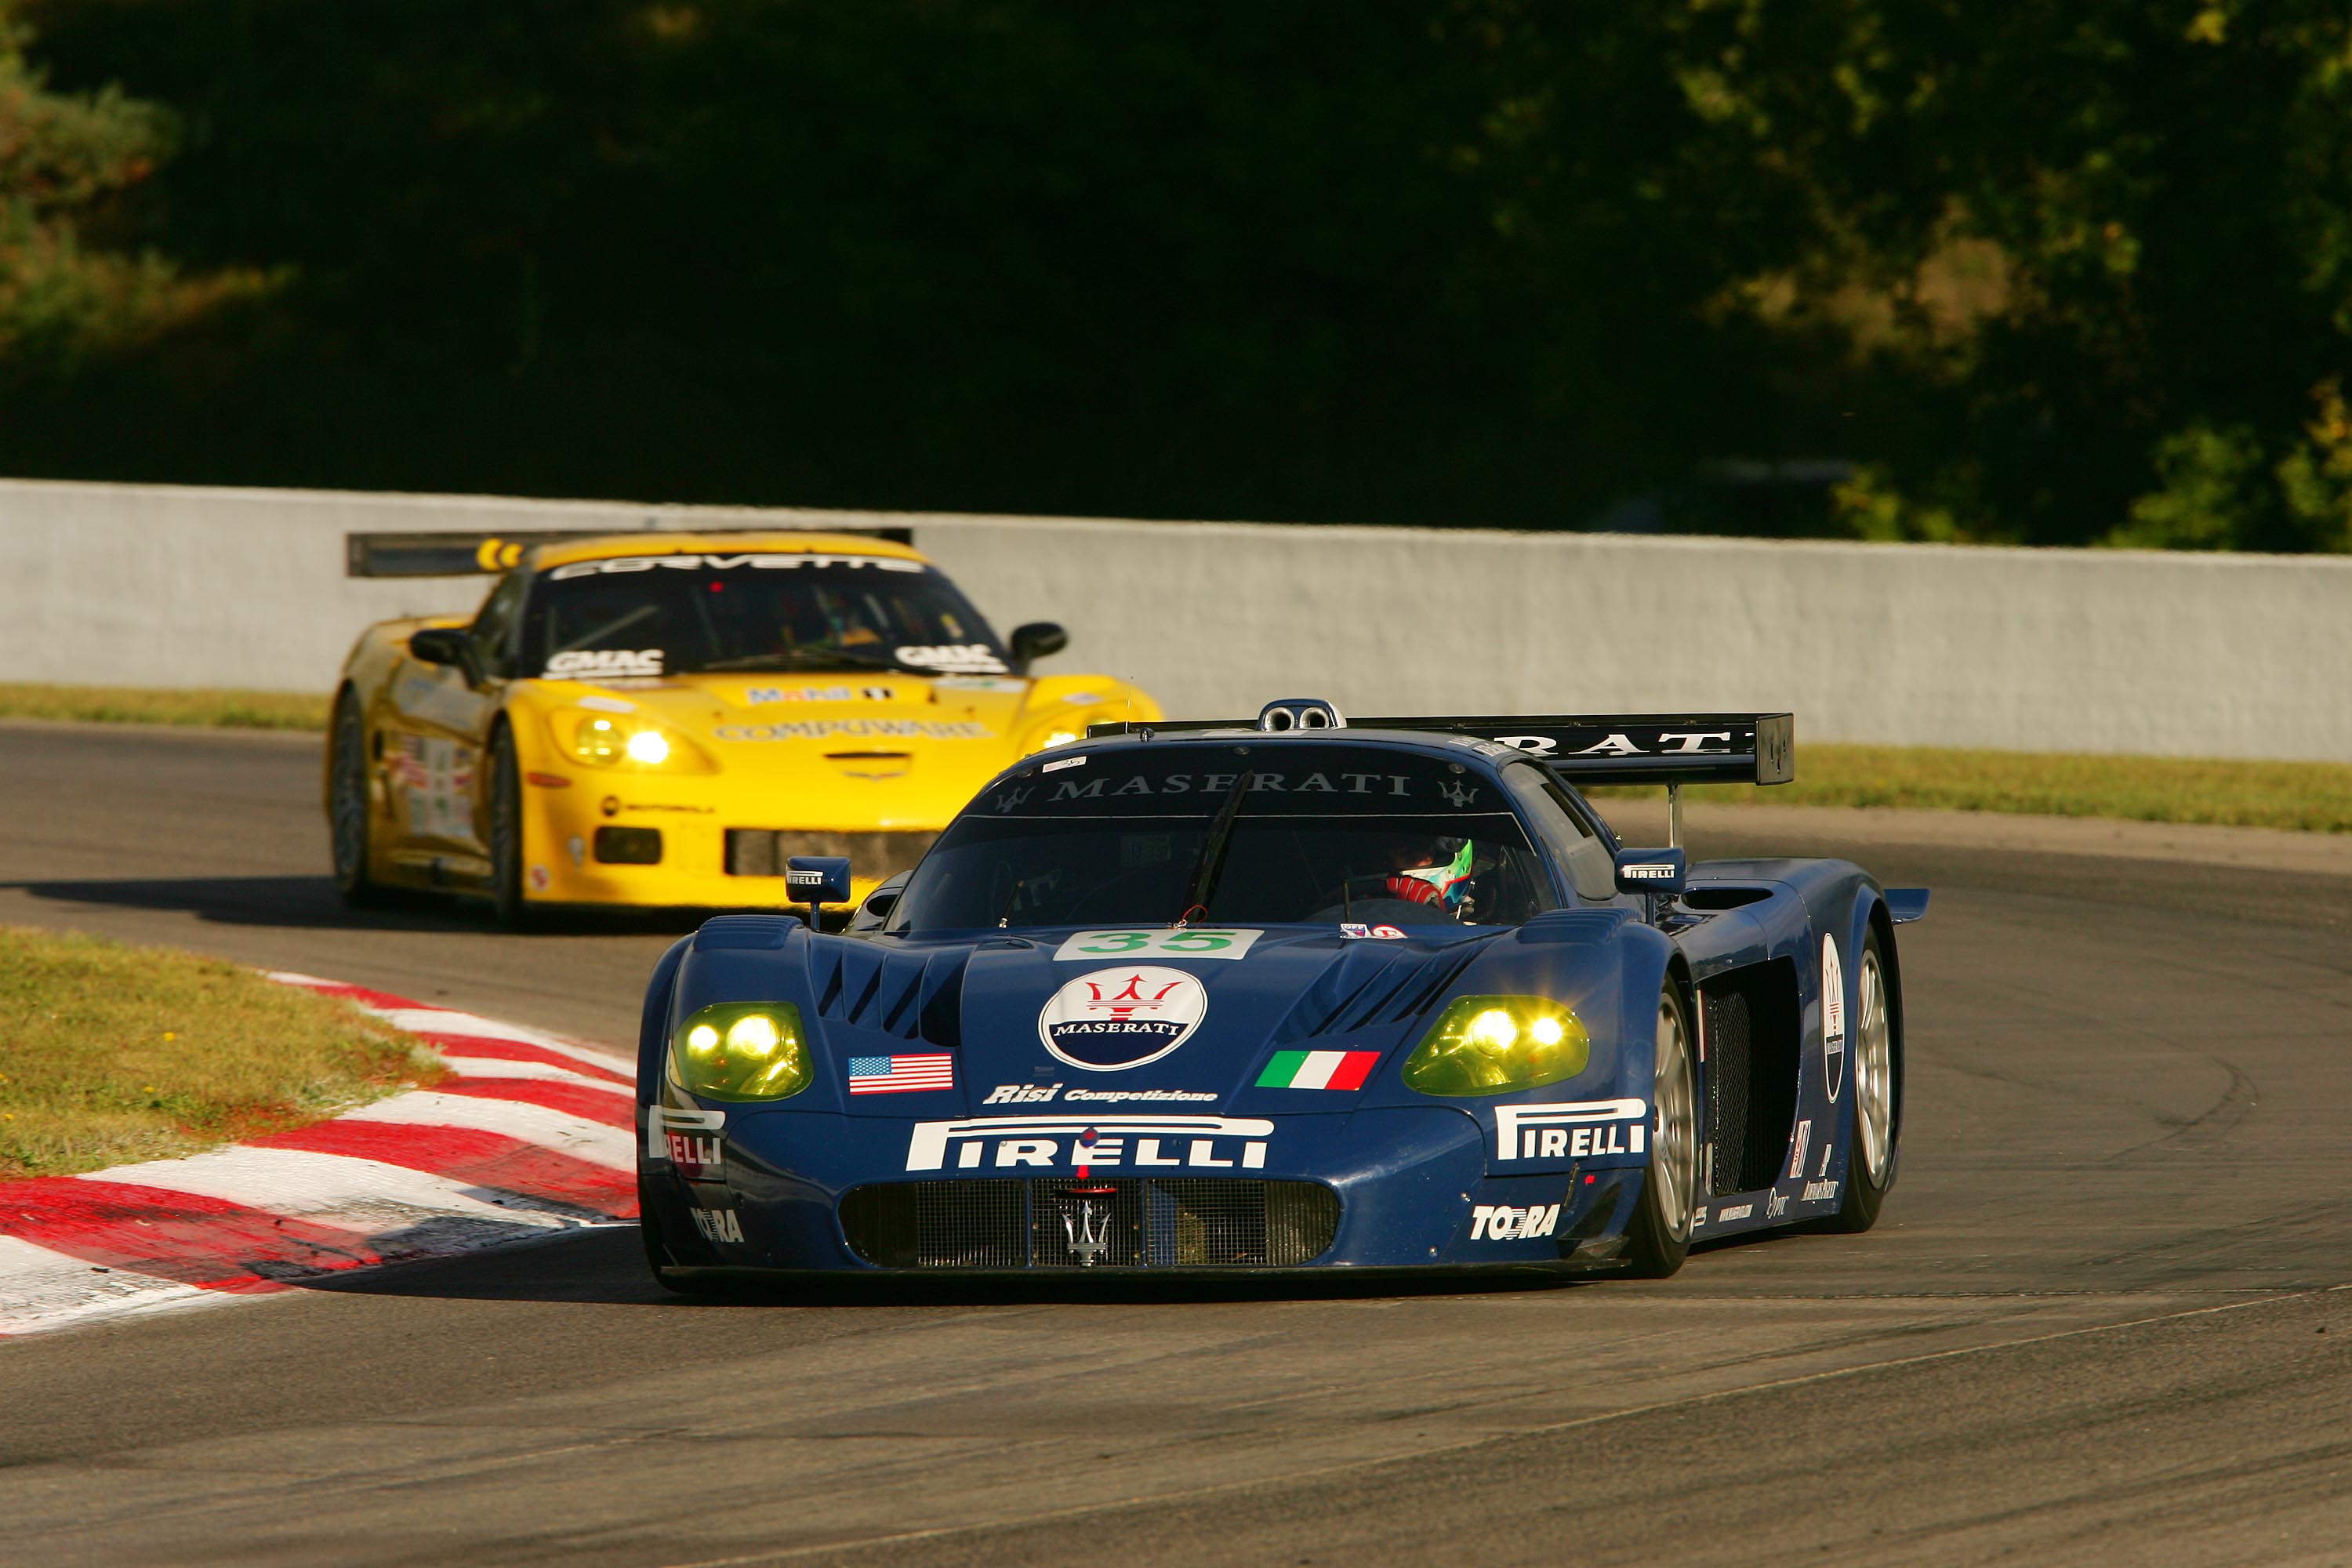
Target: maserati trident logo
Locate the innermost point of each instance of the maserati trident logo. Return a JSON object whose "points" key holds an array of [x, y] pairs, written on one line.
{"points": [[1458, 795], [1010, 799], [1088, 1241], [1116, 1018]]}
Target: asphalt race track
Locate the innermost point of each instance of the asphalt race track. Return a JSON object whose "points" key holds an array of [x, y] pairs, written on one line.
{"points": [[2104, 1320]]}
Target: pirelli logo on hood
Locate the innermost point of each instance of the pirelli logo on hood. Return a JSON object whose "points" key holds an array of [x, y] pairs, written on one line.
{"points": [[1101, 1142]]}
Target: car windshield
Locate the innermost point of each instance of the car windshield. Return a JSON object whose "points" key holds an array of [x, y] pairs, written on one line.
{"points": [[669, 615], [1306, 833]]}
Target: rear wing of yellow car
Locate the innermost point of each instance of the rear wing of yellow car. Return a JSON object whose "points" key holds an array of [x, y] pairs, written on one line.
{"points": [[458, 553]]}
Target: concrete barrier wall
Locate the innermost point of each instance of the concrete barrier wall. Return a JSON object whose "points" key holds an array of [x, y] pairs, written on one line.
{"points": [[2032, 650]]}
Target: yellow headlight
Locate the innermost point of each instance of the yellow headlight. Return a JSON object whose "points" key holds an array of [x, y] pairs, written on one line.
{"points": [[754, 1035], [1493, 1030], [601, 741], [628, 742], [741, 1050], [1493, 1044]]}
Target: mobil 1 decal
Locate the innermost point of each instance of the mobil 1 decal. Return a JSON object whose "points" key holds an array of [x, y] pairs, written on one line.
{"points": [[1108, 1020], [1832, 1016]]}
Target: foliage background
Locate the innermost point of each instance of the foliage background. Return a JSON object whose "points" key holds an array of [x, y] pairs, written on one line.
{"points": [[2041, 272]]}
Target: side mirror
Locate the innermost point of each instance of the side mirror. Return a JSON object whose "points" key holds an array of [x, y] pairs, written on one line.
{"points": [[814, 879], [1653, 871], [1037, 640], [447, 645]]}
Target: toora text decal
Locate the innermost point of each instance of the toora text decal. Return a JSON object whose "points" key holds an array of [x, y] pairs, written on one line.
{"points": [[1501, 1222]]}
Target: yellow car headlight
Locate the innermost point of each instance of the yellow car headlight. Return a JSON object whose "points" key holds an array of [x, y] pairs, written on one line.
{"points": [[1051, 739], [606, 740], [741, 1050], [1493, 1044]]}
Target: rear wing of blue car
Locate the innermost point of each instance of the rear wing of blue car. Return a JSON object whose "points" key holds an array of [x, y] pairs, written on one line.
{"points": [[1589, 748], [1638, 747], [460, 553]]}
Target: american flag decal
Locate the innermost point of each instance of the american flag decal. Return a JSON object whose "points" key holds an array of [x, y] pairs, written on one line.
{"points": [[899, 1075]]}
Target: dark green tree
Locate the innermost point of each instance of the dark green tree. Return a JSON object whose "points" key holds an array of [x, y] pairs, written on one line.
{"points": [[2046, 272], [2101, 255], [66, 161]]}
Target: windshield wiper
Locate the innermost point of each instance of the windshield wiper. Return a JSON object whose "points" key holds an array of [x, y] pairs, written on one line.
{"points": [[1211, 862], [813, 658]]}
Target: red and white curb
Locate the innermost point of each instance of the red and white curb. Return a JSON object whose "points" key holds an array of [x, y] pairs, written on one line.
{"points": [[530, 1133]]}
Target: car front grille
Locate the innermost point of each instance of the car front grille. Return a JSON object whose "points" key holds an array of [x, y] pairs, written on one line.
{"points": [[763, 851], [1061, 1223]]}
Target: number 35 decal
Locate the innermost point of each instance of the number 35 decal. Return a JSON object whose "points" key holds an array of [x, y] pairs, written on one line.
{"points": [[1094, 946]]}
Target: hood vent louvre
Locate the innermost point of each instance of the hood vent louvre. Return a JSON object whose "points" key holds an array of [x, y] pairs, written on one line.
{"points": [[910, 996], [1372, 986], [1410, 1000]]}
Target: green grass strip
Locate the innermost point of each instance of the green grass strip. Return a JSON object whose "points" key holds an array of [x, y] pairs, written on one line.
{"points": [[112, 1054], [2313, 797], [135, 705]]}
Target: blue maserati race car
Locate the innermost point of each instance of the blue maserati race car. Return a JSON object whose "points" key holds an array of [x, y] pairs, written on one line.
{"points": [[1285, 995]]}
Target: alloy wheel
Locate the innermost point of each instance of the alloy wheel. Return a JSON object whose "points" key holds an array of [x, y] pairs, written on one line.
{"points": [[351, 799], [1873, 1074], [1674, 1145]]}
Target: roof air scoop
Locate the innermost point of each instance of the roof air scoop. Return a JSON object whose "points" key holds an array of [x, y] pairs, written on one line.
{"points": [[1299, 713]]}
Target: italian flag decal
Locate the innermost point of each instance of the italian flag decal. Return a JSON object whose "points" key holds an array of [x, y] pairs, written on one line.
{"points": [[1318, 1069]]}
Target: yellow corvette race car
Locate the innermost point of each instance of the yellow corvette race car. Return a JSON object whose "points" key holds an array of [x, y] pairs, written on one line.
{"points": [[666, 719]]}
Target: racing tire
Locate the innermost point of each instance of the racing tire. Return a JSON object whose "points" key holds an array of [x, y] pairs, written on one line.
{"points": [[1660, 1237], [1878, 1096], [668, 1275], [349, 814], [508, 903]]}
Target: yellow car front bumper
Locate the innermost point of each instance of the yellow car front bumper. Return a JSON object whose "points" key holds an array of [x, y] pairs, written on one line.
{"points": [[703, 842]]}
